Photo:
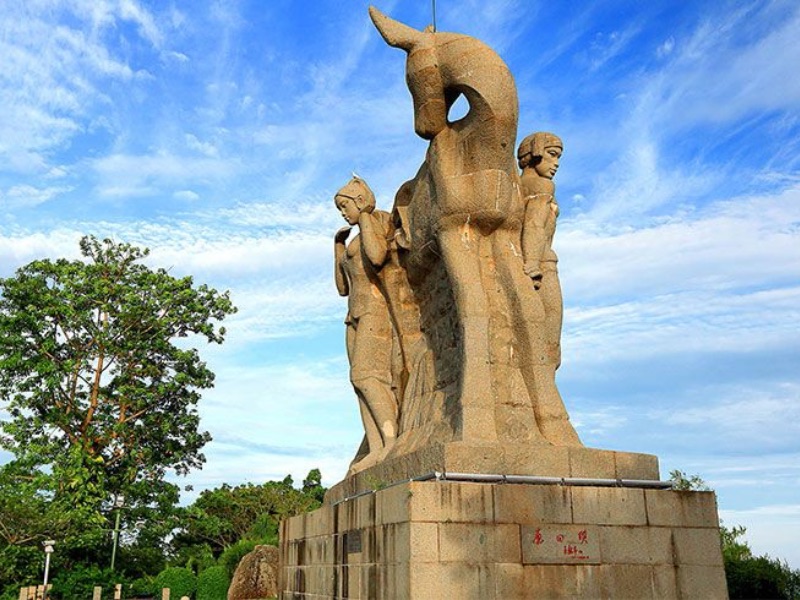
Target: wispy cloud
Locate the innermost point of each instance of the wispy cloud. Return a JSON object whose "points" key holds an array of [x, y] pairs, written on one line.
{"points": [[714, 247], [128, 176], [28, 195], [53, 76]]}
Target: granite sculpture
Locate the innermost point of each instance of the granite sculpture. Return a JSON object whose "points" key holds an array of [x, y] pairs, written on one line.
{"points": [[538, 156], [454, 311], [369, 330]]}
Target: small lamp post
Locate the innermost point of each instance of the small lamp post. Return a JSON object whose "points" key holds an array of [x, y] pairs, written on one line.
{"points": [[118, 503], [48, 550]]}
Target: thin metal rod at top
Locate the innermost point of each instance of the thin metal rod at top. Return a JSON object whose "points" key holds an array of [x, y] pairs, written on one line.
{"points": [[433, 8]]}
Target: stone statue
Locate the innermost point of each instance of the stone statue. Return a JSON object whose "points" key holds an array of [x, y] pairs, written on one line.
{"points": [[455, 310], [538, 157], [369, 330], [483, 320]]}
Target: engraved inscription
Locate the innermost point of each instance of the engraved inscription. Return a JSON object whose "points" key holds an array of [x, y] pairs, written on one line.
{"points": [[560, 544]]}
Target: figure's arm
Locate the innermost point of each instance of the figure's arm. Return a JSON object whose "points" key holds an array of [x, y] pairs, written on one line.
{"points": [[534, 237], [339, 249], [373, 238]]}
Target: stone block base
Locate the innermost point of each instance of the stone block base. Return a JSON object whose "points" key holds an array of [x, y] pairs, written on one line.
{"points": [[439, 539], [461, 457]]}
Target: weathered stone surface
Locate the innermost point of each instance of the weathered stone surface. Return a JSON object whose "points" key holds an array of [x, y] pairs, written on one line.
{"points": [[608, 506], [683, 509], [256, 576], [422, 540], [460, 457]]}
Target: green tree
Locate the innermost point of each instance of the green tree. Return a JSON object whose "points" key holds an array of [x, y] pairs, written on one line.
{"points": [[227, 515], [312, 485], [751, 576], [100, 380]]}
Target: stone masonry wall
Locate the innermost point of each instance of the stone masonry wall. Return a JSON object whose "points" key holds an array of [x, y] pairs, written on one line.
{"points": [[426, 540]]}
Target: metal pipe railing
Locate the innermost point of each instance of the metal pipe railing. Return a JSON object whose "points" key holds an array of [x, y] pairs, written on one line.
{"points": [[521, 479]]}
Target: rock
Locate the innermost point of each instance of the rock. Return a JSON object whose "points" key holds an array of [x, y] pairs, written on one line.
{"points": [[256, 576]]}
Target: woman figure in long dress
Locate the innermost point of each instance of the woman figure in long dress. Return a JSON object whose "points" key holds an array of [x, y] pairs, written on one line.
{"points": [[369, 329]]}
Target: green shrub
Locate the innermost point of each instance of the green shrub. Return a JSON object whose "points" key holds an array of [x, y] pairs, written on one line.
{"points": [[197, 557], [212, 584], [180, 581], [80, 580], [19, 565], [141, 587], [231, 556], [758, 577]]}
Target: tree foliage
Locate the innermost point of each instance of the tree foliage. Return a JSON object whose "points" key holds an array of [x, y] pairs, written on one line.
{"points": [[223, 516], [751, 576], [90, 372], [100, 381]]}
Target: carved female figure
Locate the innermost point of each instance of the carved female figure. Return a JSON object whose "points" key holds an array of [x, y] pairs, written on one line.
{"points": [[369, 330], [538, 157]]}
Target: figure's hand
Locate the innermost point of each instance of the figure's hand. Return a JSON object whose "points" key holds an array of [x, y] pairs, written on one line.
{"points": [[534, 271], [341, 235], [363, 216]]}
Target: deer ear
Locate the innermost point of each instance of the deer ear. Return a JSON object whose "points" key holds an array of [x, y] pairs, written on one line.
{"points": [[394, 32]]}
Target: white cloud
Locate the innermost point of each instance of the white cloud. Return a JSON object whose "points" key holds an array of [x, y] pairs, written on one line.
{"points": [[600, 422], [123, 175], [188, 195], [317, 217], [608, 46], [719, 247], [666, 48], [766, 418], [759, 76], [205, 148], [641, 180], [312, 401], [179, 57], [28, 195], [133, 11], [21, 248], [499, 25], [52, 74], [717, 85]]}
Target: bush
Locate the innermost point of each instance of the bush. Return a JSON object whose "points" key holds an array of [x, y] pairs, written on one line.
{"points": [[19, 565], [80, 580], [212, 584], [759, 577], [197, 557], [180, 581], [231, 556], [141, 588]]}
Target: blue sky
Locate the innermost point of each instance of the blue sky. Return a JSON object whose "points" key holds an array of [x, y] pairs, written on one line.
{"points": [[216, 133]]}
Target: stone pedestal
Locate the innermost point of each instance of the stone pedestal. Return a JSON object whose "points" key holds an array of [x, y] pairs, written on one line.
{"points": [[505, 459], [440, 539]]}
